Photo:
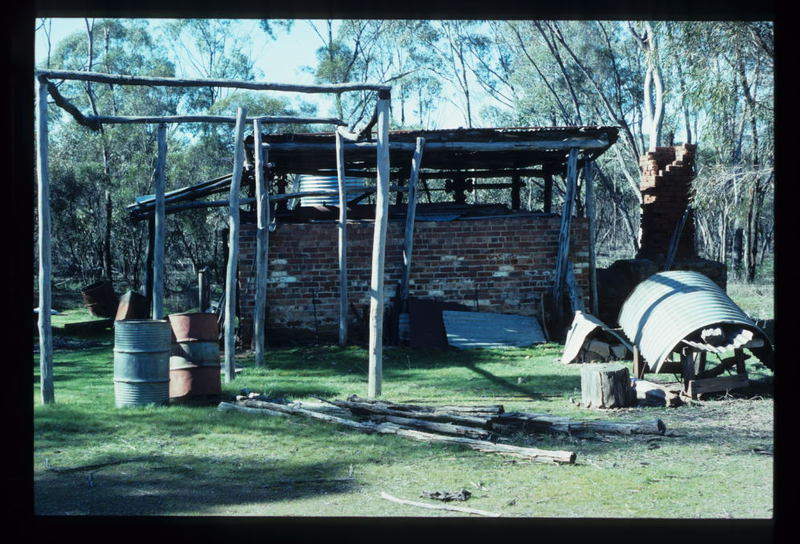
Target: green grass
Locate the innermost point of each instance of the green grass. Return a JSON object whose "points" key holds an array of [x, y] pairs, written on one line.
{"points": [[199, 461]]}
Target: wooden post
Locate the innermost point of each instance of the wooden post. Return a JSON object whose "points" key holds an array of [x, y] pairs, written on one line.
{"points": [[639, 365], [233, 247], [411, 213], [107, 268], [378, 249], [148, 268], [159, 223], [588, 174], [515, 192], [342, 225], [262, 243], [563, 235], [548, 193], [202, 289], [43, 202]]}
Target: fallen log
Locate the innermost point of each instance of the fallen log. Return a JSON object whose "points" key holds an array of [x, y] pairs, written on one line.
{"points": [[483, 409], [388, 409], [521, 421], [533, 454], [436, 427]]}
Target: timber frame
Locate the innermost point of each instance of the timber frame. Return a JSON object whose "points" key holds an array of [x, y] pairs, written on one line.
{"points": [[461, 156]]}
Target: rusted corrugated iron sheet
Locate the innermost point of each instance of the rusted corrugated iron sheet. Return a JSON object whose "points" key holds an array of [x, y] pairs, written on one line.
{"points": [[668, 307], [582, 326]]}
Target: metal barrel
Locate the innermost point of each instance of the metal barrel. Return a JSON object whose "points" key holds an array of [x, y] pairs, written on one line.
{"points": [[141, 362], [196, 353], [194, 327], [100, 298], [329, 183]]}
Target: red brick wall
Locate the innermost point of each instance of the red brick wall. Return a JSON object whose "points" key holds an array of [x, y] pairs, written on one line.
{"points": [[666, 184], [510, 260]]}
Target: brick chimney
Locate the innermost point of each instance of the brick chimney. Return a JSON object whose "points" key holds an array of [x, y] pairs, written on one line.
{"points": [[667, 175]]}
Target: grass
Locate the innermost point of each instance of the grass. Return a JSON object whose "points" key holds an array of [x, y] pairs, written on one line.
{"points": [[198, 461]]}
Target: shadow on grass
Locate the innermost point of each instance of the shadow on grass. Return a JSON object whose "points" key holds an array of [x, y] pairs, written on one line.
{"points": [[184, 484]]}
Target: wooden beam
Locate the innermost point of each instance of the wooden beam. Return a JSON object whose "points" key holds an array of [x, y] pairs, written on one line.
{"points": [[378, 250], [563, 235], [139, 119], [159, 226], [262, 244], [148, 269], [588, 176], [45, 282], [408, 241], [233, 248], [342, 226], [119, 79]]}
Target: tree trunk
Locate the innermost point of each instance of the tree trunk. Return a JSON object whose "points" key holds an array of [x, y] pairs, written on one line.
{"points": [[606, 386]]}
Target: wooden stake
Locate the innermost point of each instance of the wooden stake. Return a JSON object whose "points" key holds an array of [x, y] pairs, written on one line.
{"points": [[262, 243], [588, 175], [388, 497], [43, 202], [378, 250], [159, 225], [411, 213], [233, 248], [343, 305], [563, 235]]}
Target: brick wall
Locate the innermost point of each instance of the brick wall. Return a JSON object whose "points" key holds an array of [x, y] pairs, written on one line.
{"points": [[667, 175], [509, 261]]}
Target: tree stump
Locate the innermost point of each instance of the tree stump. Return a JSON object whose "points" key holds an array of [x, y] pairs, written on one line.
{"points": [[606, 386]]}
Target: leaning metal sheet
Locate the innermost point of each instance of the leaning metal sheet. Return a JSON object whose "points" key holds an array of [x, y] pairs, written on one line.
{"points": [[468, 330], [582, 325], [668, 306]]}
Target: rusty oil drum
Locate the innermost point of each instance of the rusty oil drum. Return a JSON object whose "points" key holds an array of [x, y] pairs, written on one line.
{"points": [[141, 362], [100, 298], [195, 357]]}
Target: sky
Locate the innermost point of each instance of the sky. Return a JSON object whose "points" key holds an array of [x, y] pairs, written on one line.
{"points": [[278, 61]]}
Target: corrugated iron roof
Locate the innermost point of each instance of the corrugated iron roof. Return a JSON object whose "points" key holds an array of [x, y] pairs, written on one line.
{"points": [[669, 306]]}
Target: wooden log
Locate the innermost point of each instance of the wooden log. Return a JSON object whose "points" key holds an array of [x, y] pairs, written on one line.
{"points": [[366, 409], [46, 388], [408, 240], [606, 386], [533, 454], [342, 225], [435, 426], [216, 119], [378, 251], [233, 249], [465, 510], [483, 409], [588, 176], [563, 235], [654, 394], [159, 226], [538, 423], [262, 244], [712, 385], [119, 79]]}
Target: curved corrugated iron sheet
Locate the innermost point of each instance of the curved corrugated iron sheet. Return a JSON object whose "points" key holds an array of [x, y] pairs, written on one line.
{"points": [[669, 306]]}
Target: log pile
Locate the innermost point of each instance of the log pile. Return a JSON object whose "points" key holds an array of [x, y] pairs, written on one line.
{"points": [[483, 428]]}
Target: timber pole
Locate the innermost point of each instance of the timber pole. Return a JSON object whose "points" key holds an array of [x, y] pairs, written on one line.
{"points": [[45, 295], [160, 230], [378, 249], [342, 225], [233, 248], [588, 176], [563, 235], [262, 243], [411, 214]]}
